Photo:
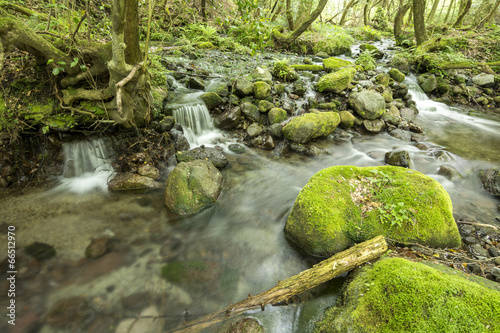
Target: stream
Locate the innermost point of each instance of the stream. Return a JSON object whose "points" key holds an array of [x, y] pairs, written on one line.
{"points": [[227, 251]]}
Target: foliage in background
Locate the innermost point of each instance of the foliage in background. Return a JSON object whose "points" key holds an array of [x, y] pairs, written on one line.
{"points": [[365, 33], [327, 38]]}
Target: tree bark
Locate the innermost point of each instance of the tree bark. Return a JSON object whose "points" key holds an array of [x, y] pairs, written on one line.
{"points": [[433, 11], [326, 270], [289, 15], [419, 21], [287, 40], [346, 9], [462, 14], [488, 17], [366, 13], [398, 20]]}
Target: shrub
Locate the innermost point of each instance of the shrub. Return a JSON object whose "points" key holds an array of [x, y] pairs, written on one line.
{"points": [[365, 33], [366, 61]]}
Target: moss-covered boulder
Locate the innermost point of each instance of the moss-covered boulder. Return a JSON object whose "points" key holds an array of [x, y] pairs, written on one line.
{"points": [[206, 46], [250, 111], [336, 82], [383, 79], [309, 126], [429, 84], [307, 68], [243, 87], [347, 119], [192, 186], [277, 115], [343, 205], [368, 104], [396, 75], [398, 295], [333, 64], [283, 71], [261, 90], [212, 100], [265, 106], [377, 54]]}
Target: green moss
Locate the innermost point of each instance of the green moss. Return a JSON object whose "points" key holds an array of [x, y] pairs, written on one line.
{"points": [[334, 64], [396, 75], [283, 71], [60, 122], [277, 115], [311, 125], [326, 38], [310, 68], [397, 295], [211, 100], [366, 61], [334, 105], [336, 82], [365, 33], [206, 45], [261, 90], [327, 218]]}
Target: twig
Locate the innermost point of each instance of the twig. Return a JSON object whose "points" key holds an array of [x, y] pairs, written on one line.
{"points": [[479, 224], [78, 26], [120, 85]]}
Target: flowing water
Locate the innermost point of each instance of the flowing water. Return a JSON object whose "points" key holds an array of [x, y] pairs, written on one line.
{"points": [[229, 250]]}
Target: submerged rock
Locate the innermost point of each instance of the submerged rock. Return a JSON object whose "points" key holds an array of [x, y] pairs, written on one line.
{"points": [[128, 181], [398, 158], [398, 295], [310, 126], [215, 155], [368, 104], [97, 248], [344, 205], [229, 119], [192, 186], [237, 148], [40, 251], [491, 181]]}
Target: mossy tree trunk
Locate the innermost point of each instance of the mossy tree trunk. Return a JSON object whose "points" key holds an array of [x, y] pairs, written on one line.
{"points": [[125, 97], [350, 4], [366, 13], [291, 37], [419, 21], [452, 3], [488, 17], [398, 20], [462, 14]]}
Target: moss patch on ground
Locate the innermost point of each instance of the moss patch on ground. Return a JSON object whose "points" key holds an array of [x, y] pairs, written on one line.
{"points": [[333, 64], [397, 295], [344, 205]]}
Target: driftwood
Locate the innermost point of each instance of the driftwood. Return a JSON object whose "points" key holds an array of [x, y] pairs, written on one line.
{"points": [[326, 270], [479, 225]]}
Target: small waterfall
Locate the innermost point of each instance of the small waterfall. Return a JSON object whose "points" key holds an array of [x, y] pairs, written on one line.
{"points": [[197, 124], [86, 166]]}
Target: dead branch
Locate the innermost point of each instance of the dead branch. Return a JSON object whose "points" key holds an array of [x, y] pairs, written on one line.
{"points": [[326, 270], [479, 225]]}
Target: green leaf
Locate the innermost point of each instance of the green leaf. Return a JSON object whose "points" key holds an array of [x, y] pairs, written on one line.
{"points": [[55, 71], [61, 63], [76, 19], [75, 61], [50, 61]]}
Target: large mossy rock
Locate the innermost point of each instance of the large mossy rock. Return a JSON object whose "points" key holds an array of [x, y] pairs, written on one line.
{"points": [[309, 126], [333, 64], [336, 82], [344, 205], [368, 104], [192, 186], [211, 100], [376, 53], [398, 295]]}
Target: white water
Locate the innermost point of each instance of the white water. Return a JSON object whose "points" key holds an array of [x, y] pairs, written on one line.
{"points": [[197, 124], [86, 166]]}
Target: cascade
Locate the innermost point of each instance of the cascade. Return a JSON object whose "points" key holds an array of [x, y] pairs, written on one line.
{"points": [[197, 123], [86, 166]]}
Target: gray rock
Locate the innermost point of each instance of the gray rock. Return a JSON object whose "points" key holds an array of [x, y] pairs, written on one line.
{"points": [[494, 252], [478, 251], [429, 84], [229, 119], [149, 171], [276, 130], [214, 155], [373, 126], [195, 83], [491, 180], [401, 134], [260, 74], [484, 80], [268, 142], [166, 124], [407, 114], [368, 104], [181, 143], [243, 87], [250, 111], [449, 172], [254, 130], [131, 182], [392, 116], [398, 158], [97, 248], [192, 186]]}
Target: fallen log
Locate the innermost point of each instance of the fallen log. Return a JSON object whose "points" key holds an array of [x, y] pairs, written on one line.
{"points": [[326, 270]]}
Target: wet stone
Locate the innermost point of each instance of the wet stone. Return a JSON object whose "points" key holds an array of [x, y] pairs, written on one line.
{"points": [[449, 172], [149, 171], [73, 312], [469, 240], [214, 155], [237, 148], [478, 251], [97, 248], [398, 158], [40, 251], [494, 252], [401, 134]]}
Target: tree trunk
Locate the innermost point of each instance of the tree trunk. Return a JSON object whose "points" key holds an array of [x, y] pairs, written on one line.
{"points": [[398, 21], [419, 21], [289, 15], [346, 9], [449, 11], [131, 30], [287, 40], [204, 10], [461, 16], [366, 13], [326, 270], [488, 17], [433, 11]]}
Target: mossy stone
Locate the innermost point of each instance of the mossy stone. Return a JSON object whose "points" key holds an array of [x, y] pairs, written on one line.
{"points": [[277, 115], [206, 45], [347, 119], [261, 90], [309, 126], [309, 68], [396, 75], [336, 82], [279, 88], [265, 106], [377, 54], [212, 100], [333, 64], [284, 72], [443, 88], [344, 205], [383, 79], [398, 295]]}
